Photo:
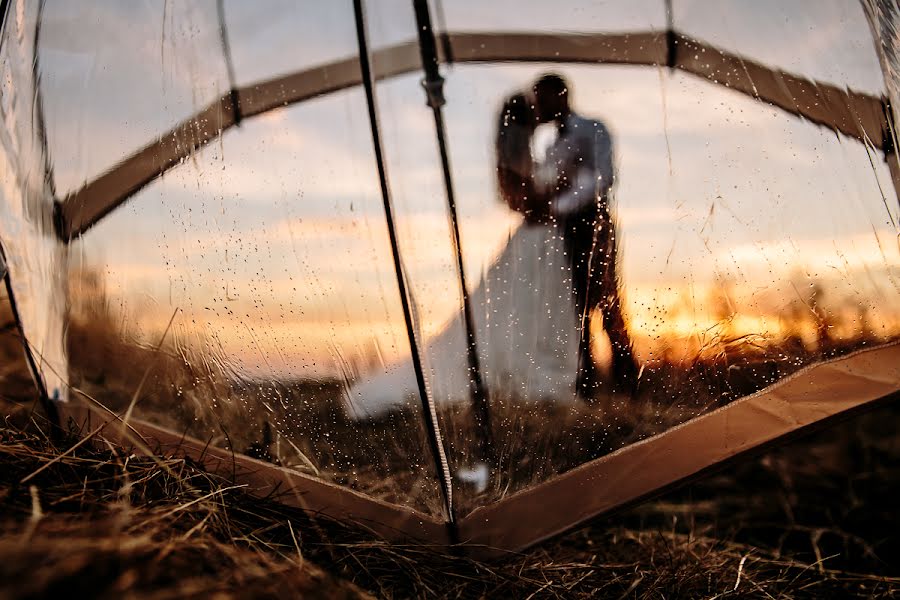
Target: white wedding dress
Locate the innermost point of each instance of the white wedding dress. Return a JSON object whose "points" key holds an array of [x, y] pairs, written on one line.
{"points": [[525, 328]]}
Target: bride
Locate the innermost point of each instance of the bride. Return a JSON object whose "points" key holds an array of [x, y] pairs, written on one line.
{"points": [[524, 316]]}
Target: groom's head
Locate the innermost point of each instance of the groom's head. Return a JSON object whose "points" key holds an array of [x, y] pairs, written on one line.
{"points": [[551, 95]]}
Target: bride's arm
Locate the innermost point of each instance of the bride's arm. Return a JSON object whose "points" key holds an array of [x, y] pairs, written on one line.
{"points": [[521, 195], [537, 206], [587, 188]]}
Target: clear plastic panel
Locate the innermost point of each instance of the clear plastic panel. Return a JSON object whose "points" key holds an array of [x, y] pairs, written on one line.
{"points": [[417, 193], [36, 259], [273, 38], [583, 16], [390, 23], [739, 241], [414, 169], [270, 253], [423, 229], [830, 40], [750, 243], [116, 76], [426, 237]]}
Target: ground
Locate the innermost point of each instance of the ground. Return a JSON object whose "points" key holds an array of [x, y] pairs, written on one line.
{"points": [[816, 518]]}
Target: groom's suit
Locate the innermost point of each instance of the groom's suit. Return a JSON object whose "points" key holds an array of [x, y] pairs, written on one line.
{"points": [[582, 156]]}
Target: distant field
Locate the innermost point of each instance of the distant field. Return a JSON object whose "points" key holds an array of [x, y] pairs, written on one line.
{"points": [[303, 424]]}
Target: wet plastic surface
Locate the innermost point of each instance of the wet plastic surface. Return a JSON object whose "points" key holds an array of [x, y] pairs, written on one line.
{"points": [[234, 278]]}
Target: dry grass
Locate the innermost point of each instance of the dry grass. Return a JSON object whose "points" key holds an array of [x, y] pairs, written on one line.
{"points": [[390, 459], [301, 423], [815, 519], [113, 525]]}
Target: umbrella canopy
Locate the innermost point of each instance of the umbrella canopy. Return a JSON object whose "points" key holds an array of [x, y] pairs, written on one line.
{"points": [[248, 232]]}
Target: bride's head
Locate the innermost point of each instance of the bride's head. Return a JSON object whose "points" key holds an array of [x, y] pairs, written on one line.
{"points": [[515, 126], [517, 111]]}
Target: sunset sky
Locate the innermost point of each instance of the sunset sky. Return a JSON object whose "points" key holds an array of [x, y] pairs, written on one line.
{"points": [[272, 241]]}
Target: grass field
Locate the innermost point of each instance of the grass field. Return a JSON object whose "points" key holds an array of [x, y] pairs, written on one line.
{"points": [[816, 518], [301, 423]]}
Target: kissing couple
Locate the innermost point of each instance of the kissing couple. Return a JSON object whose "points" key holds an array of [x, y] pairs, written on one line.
{"points": [[534, 307]]}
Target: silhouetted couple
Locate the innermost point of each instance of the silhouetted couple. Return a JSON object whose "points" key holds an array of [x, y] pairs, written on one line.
{"points": [[570, 187], [533, 306]]}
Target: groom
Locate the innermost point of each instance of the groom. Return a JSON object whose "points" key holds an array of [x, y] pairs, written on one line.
{"points": [[582, 157]]}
